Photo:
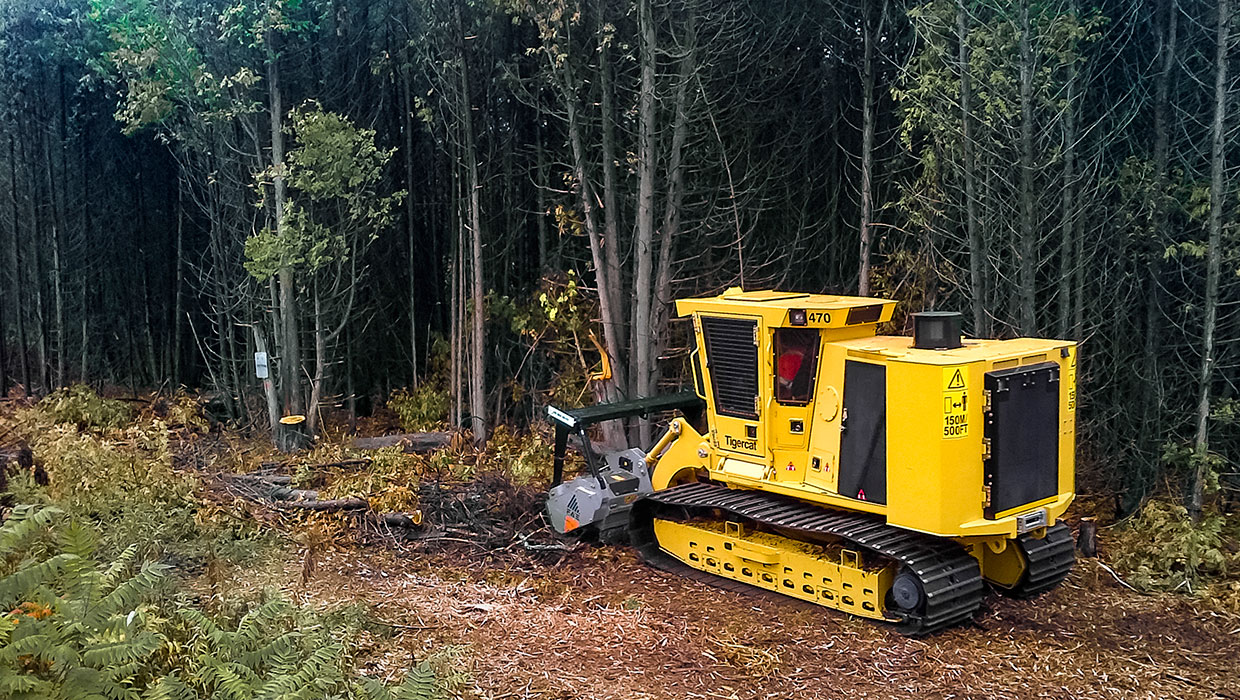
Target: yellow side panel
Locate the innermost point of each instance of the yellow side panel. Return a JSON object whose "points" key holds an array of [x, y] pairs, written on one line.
{"points": [[934, 456], [828, 412]]}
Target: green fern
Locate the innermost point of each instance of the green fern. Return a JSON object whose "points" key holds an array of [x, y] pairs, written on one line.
{"points": [[420, 684], [80, 629], [25, 523]]}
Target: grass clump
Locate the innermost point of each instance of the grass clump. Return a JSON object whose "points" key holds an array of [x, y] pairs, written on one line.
{"points": [[81, 406]]}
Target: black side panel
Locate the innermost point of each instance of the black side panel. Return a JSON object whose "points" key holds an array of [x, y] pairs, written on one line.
{"points": [[732, 360], [863, 444], [1023, 427]]}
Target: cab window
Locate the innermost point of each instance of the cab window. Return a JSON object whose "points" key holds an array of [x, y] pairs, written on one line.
{"points": [[796, 364]]}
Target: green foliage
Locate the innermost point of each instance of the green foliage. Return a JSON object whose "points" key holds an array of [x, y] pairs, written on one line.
{"points": [[77, 628], [335, 205], [420, 409], [122, 481], [1163, 549], [524, 457], [1183, 460], [81, 406]]}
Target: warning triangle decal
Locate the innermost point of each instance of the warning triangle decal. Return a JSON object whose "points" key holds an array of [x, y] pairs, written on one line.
{"points": [[861, 494], [957, 381]]}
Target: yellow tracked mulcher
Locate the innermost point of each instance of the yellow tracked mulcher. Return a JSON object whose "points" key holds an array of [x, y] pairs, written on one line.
{"points": [[886, 476]]}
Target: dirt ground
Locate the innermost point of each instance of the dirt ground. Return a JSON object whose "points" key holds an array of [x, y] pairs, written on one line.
{"points": [[593, 622]]}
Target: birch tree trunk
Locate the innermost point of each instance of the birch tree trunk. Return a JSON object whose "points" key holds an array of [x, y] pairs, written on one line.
{"points": [[977, 251], [1152, 401], [867, 148], [675, 183], [1027, 245], [611, 210], [477, 364], [1218, 186], [608, 289], [643, 282], [407, 127], [1067, 221], [288, 344]]}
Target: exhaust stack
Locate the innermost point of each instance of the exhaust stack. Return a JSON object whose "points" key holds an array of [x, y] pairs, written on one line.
{"points": [[936, 330]]}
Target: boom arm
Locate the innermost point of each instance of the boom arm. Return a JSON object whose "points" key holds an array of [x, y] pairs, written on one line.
{"points": [[577, 420]]}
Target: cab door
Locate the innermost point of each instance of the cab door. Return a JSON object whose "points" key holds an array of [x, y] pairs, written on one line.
{"points": [[794, 376], [730, 346]]}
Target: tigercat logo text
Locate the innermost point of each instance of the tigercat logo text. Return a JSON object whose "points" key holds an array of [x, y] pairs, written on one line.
{"points": [[740, 444]]}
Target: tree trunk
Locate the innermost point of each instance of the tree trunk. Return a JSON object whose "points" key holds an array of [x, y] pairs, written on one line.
{"points": [[1152, 410], [178, 304], [607, 288], [867, 149], [977, 252], [477, 364], [17, 266], [269, 387], [87, 231], [320, 367], [675, 184], [407, 126], [457, 320], [287, 345], [1067, 220], [36, 251], [643, 283], [1027, 277], [1218, 186], [55, 241], [545, 261], [611, 210]]}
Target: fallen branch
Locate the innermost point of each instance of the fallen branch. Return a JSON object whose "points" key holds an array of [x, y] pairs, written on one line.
{"points": [[282, 493], [340, 464], [279, 479], [412, 443], [336, 504], [402, 520]]}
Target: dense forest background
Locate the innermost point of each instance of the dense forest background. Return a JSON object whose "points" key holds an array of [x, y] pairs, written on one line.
{"points": [[452, 197]]}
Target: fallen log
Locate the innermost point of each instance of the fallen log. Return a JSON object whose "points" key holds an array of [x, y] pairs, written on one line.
{"points": [[403, 520], [336, 504], [274, 479], [411, 443], [283, 493], [339, 464]]}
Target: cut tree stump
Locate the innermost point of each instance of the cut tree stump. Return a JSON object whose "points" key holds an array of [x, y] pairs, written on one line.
{"points": [[411, 443], [291, 434], [1087, 540]]}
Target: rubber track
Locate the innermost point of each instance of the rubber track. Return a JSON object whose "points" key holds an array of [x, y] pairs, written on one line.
{"points": [[950, 577], [1049, 559]]}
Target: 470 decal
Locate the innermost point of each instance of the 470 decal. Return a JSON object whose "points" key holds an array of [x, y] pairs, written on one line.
{"points": [[818, 317]]}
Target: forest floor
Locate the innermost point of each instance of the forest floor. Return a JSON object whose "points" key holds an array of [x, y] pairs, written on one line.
{"points": [[504, 609], [593, 622]]}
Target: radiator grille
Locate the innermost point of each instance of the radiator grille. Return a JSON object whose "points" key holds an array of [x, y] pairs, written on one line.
{"points": [[732, 360], [1023, 428]]}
